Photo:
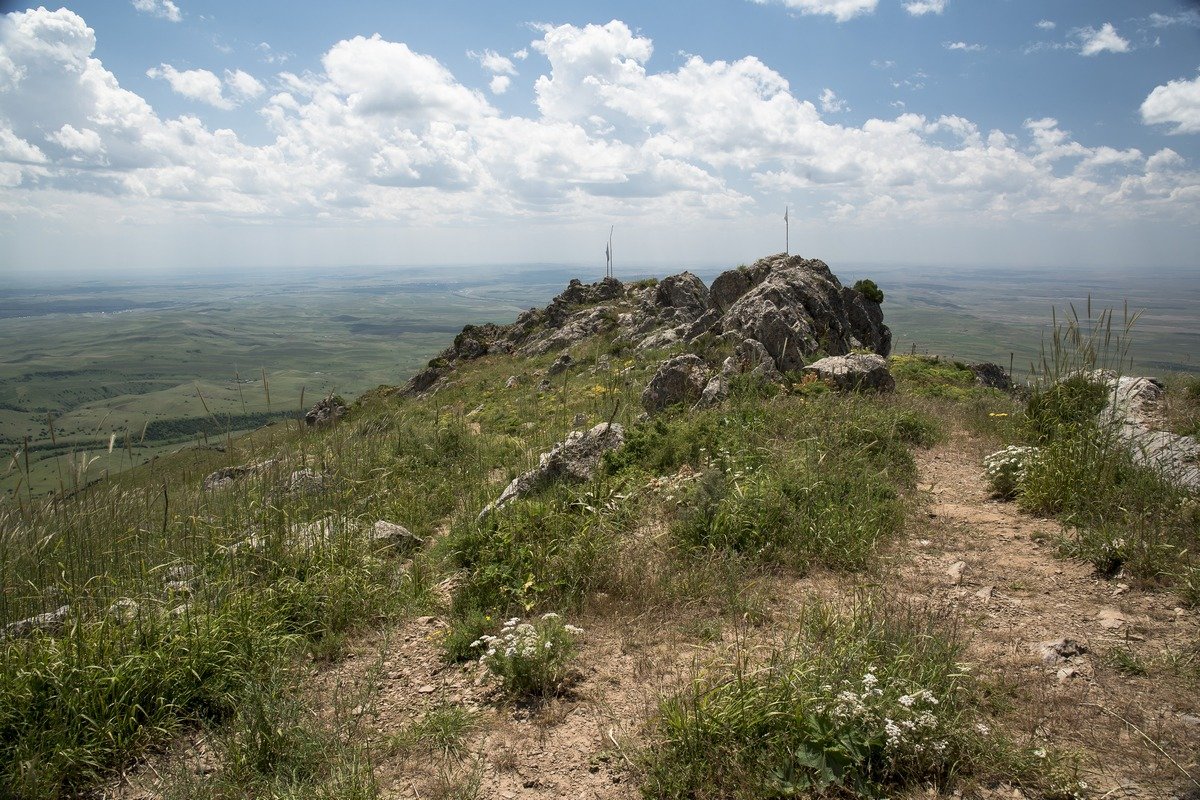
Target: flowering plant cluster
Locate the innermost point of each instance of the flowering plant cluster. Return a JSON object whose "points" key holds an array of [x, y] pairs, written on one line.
{"points": [[901, 721], [1006, 469], [530, 658]]}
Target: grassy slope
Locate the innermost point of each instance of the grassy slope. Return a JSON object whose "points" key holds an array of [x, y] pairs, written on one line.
{"points": [[787, 482]]}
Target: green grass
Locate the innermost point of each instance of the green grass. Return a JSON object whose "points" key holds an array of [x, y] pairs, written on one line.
{"points": [[867, 701]]}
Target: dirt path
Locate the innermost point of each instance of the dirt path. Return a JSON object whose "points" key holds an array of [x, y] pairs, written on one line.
{"points": [[998, 568]]}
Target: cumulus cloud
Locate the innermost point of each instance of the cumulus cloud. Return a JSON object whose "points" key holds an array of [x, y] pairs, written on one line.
{"points": [[164, 9], [841, 10], [969, 48], [1046, 25], [493, 62], [195, 84], [919, 8], [499, 84], [1105, 40], [380, 132], [243, 85], [831, 103], [1175, 103]]}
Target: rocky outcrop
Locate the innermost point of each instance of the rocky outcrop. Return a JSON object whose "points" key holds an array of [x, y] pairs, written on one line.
{"points": [[574, 459], [678, 380], [790, 306], [393, 536], [796, 306], [855, 372]]}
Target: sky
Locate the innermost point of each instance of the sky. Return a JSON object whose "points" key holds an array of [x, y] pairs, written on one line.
{"points": [[185, 136]]}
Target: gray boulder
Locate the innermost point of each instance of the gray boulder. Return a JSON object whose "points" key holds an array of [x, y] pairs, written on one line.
{"points": [[391, 535], [561, 364], [855, 372], [573, 459], [50, 622], [304, 481], [728, 288], [678, 380], [227, 476], [1133, 411], [991, 376]]}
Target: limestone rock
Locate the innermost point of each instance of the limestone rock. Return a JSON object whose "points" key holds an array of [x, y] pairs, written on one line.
{"points": [[326, 411], [573, 459], [50, 622], [991, 376], [855, 372], [227, 476], [304, 481], [678, 380], [389, 534], [561, 364], [683, 291]]}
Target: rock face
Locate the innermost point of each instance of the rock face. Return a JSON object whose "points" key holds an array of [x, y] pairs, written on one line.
{"points": [[574, 459], [789, 306], [678, 380], [991, 376], [855, 372]]}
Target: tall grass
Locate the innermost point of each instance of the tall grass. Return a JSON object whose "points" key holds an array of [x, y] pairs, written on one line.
{"points": [[1121, 514]]}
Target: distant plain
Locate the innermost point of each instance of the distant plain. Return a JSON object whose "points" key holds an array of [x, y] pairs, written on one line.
{"points": [[150, 365]]}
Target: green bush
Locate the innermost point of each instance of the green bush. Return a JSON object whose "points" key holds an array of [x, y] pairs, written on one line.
{"points": [[1063, 407], [868, 289]]}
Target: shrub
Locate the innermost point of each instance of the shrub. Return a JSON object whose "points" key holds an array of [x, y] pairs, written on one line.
{"points": [[869, 289], [1069, 404], [530, 658], [1006, 469], [866, 702]]}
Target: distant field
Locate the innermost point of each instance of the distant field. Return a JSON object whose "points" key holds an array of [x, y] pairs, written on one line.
{"points": [[163, 366], [155, 366]]}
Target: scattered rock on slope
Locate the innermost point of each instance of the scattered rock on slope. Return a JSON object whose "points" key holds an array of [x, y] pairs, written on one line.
{"points": [[855, 372], [573, 459], [678, 380], [49, 622], [326, 411], [227, 476]]}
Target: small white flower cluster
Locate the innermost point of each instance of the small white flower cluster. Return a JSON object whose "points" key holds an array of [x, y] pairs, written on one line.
{"points": [[1006, 469], [909, 722], [529, 657]]}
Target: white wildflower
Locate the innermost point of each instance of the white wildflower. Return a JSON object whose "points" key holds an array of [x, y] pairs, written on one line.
{"points": [[869, 680], [549, 615], [572, 629], [983, 729], [907, 700]]}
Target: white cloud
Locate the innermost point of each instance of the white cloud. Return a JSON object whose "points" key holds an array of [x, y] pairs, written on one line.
{"points": [[194, 84], [164, 9], [493, 62], [1105, 40], [85, 141], [1189, 18], [383, 134], [831, 103], [969, 48], [521, 54], [243, 85], [841, 10], [921, 7], [499, 84], [1175, 103], [1046, 24], [271, 56]]}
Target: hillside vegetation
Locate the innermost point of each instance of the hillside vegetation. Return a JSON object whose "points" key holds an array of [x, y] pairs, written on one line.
{"points": [[723, 604]]}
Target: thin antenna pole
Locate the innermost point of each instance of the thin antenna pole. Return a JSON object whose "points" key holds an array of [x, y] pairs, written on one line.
{"points": [[610, 259], [787, 233]]}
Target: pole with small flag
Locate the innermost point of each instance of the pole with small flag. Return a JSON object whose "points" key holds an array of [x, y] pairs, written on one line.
{"points": [[787, 233], [608, 269]]}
